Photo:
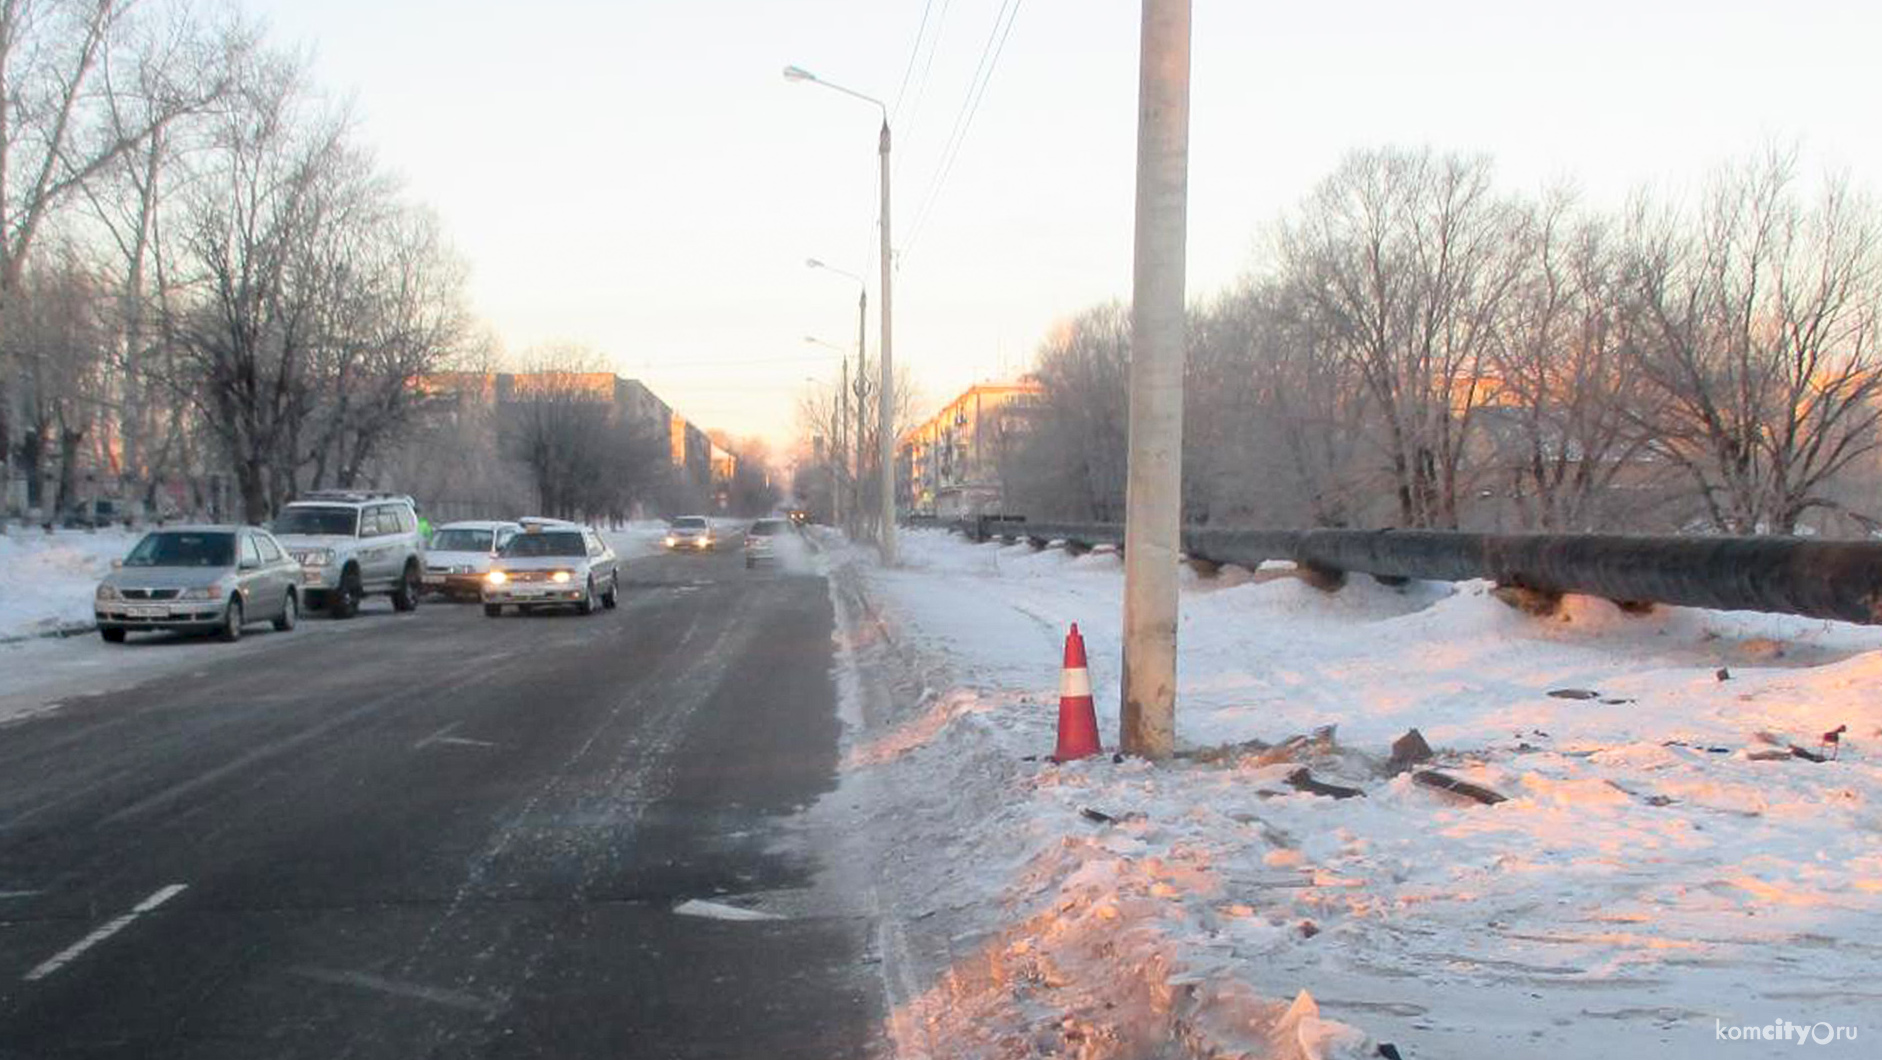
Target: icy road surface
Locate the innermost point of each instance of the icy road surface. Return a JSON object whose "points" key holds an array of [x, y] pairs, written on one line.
{"points": [[436, 835]]}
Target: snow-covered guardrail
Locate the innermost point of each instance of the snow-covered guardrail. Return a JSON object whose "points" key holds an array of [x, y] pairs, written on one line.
{"points": [[1784, 575]]}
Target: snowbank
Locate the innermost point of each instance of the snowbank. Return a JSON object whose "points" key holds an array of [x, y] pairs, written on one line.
{"points": [[1663, 866], [47, 580]]}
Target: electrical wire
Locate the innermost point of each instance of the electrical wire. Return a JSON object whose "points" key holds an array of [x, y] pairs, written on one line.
{"points": [[905, 132], [964, 119], [914, 53]]}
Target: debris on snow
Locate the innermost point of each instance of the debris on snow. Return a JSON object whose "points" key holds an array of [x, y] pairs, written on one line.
{"points": [[1407, 751], [1431, 778], [1302, 780]]}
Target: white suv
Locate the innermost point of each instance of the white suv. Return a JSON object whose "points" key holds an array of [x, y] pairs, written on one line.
{"points": [[350, 543]]}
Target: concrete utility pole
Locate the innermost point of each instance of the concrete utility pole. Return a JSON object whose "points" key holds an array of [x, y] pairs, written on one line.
{"points": [[885, 394], [1154, 494], [838, 472], [862, 359]]}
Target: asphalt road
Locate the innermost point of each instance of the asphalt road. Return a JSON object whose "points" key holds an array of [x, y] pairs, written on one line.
{"points": [[441, 835]]}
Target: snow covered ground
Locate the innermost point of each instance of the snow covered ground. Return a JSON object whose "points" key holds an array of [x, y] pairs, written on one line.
{"points": [[47, 580], [1664, 874]]}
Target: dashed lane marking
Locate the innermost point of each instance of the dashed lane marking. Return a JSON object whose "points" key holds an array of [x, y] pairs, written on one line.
{"points": [[721, 911], [457, 999], [75, 950]]}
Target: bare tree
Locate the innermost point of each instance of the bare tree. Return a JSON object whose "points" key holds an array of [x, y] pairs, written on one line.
{"points": [[1561, 410], [585, 453], [1406, 260], [1073, 461], [59, 337], [173, 68], [62, 125], [1762, 343]]}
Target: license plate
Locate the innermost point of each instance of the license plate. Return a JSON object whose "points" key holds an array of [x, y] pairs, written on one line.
{"points": [[147, 611], [434, 579], [529, 591]]}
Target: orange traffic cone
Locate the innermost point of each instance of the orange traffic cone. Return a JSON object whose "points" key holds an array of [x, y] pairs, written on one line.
{"points": [[1078, 717]]}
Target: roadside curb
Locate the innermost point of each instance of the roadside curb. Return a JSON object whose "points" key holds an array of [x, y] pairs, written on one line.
{"points": [[58, 633]]}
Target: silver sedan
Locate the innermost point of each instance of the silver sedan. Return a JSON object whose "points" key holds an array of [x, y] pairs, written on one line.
{"points": [[553, 565], [200, 579]]}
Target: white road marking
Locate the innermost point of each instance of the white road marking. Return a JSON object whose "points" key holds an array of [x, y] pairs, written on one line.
{"points": [[18, 894], [721, 911], [436, 736], [366, 981], [444, 736], [73, 952]]}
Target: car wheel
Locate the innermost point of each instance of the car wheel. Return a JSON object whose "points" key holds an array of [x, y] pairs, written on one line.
{"points": [[346, 597], [405, 597], [290, 613], [232, 621], [493, 610], [587, 604], [612, 598], [112, 636]]}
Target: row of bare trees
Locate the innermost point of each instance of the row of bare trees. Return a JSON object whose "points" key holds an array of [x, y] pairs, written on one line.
{"points": [[203, 272], [841, 471], [1421, 349]]}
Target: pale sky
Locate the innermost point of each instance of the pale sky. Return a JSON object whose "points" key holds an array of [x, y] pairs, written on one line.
{"points": [[638, 176]]}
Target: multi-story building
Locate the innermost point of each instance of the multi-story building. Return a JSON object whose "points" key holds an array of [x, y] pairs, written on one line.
{"points": [[690, 451], [953, 464]]}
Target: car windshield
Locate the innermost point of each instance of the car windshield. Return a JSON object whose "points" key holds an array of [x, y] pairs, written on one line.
{"points": [[549, 543], [766, 528], [690, 522], [175, 548], [317, 520], [463, 540]]}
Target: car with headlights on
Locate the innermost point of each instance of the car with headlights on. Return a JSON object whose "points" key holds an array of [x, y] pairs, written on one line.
{"points": [[690, 533], [762, 540], [459, 555], [552, 564], [200, 579]]}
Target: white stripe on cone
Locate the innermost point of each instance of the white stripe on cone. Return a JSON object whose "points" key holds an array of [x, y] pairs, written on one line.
{"points": [[1074, 683]]}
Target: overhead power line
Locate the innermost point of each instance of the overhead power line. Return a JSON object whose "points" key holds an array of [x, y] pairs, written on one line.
{"points": [[964, 119], [914, 53]]}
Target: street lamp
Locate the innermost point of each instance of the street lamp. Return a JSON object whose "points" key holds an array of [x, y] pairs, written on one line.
{"points": [[862, 358], [885, 392]]}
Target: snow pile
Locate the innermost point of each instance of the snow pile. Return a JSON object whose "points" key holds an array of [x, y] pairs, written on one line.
{"points": [[1664, 863], [47, 580]]}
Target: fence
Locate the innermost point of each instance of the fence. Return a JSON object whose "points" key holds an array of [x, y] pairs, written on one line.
{"points": [[1786, 575]]}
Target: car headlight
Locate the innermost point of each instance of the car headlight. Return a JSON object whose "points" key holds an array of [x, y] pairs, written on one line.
{"points": [[671, 540], [107, 591], [496, 577], [319, 557], [201, 592], [560, 577]]}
